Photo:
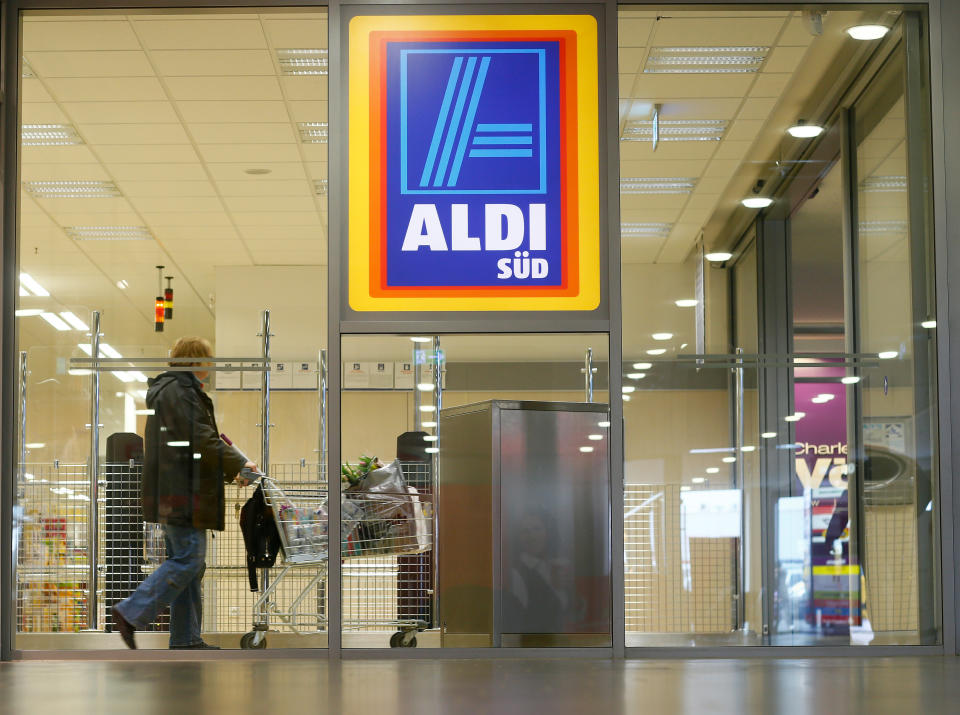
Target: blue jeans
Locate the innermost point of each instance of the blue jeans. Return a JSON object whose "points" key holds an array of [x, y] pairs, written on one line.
{"points": [[177, 583]]}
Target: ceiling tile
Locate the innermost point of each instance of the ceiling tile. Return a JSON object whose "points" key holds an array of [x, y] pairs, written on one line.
{"points": [[716, 31], [90, 64], [233, 112], [633, 32], [276, 233], [301, 34], [58, 208], [42, 113], [757, 108], [642, 202], [249, 154], [176, 204], [277, 133], [31, 90], [133, 189], [264, 188], [270, 204], [629, 59], [213, 218], [78, 154], [798, 30], [729, 149], [207, 62], [158, 172], [106, 134], [79, 218], [770, 85], [640, 250], [666, 151], [658, 167], [189, 233], [700, 108], [304, 88], [220, 33], [235, 172], [76, 34], [677, 247], [784, 59], [147, 154], [106, 89], [30, 171], [224, 88], [308, 111], [664, 87], [272, 218], [120, 112], [315, 153], [744, 130]]}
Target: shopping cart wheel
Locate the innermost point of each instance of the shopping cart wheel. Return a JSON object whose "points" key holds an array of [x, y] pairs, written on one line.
{"points": [[253, 639], [398, 640]]}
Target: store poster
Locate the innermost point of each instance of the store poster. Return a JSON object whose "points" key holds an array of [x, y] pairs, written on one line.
{"points": [[820, 458], [474, 163]]}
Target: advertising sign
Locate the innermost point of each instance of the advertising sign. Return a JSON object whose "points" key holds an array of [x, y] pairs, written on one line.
{"points": [[474, 163]]}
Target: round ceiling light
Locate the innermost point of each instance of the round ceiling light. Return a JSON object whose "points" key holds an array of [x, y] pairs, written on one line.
{"points": [[719, 256], [868, 32], [757, 202], [257, 171], [802, 130]]}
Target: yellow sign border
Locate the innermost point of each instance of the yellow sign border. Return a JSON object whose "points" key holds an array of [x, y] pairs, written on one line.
{"points": [[588, 174]]}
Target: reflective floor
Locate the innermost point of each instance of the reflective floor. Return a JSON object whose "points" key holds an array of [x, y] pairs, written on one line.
{"points": [[835, 685]]}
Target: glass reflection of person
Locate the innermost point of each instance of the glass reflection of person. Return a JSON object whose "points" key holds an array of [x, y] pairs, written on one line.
{"points": [[541, 588]]}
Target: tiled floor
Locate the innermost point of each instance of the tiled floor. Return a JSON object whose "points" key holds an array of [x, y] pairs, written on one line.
{"points": [[913, 686]]}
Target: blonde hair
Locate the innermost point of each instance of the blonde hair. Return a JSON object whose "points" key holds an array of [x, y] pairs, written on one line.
{"points": [[189, 348]]}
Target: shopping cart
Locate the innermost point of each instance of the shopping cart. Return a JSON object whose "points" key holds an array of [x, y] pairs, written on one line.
{"points": [[372, 525]]}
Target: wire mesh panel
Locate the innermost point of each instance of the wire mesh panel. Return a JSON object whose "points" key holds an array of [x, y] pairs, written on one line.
{"points": [[52, 558], [675, 583], [890, 536]]}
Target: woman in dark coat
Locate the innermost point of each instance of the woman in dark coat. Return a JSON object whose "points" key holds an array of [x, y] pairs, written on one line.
{"points": [[186, 466]]}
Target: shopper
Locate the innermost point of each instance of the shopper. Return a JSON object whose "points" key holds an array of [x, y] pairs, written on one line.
{"points": [[185, 467]]}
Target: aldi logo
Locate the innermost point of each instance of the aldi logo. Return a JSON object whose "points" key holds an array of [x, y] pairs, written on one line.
{"points": [[473, 163]]}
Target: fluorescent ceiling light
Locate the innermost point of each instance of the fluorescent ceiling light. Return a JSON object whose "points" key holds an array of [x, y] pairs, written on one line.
{"points": [[748, 448], [85, 347], [23, 291], [713, 470], [35, 445], [928, 324], [662, 336], [883, 227], [432, 450], [49, 135], [661, 230], [430, 438], [109, 233], [123, 376], [888, 354], [768, 435], [27, 312], [72, 189], [586, 449], [657, 186], [55, 321], [757, 202], [320, 187], [718, 256], [427, 408], [420, 340], [74, 320], [705, 60], [313, 132], [675, 130], [27, 281], [138, 376], [698, 480], [685, 488], [627, 389], [144, 412], [425, 387], [603, 424], [122, 284], [884, 184], [825, 397], [729, 460], [867, 32], [795, 417], [686, 303], [636, 375], [595, 437], [711, 450], [850, 380], [642, 365], [626, 398], [802, 130], [109, 351], [656, 351], [428, 424], [303, 61]]}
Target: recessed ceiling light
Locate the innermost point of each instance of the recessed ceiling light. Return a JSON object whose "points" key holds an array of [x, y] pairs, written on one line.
{"points": [[729, 460], [642, 365], [626, 398], [303, 61], [748, 448], [656, 351], [27, 281], [428, 424], [430, 438], [867, 32], [768, 435], [109, 351], [122, 284], [55, 320], [257, 171], [757, 202], [713, 470], [636, 375], [420, 340], [795, 417], [850, 380], [662, 336], [427, 408], [888, 354], [884, 184], [49, 135], [586, 449], [627, 389], [657, 186], [35, 445], [686, 303], [661, 230], [698, 480], [718, 256], [705, 60], [432, 450], [27, 312], [685, 488], [603, 424], [595, 437], [72, 189], [425, 387], [819, 400], [109, 233], [74, 320], [928, 324], [320, 187], [313, 132], [802, 130], [675, 130]]}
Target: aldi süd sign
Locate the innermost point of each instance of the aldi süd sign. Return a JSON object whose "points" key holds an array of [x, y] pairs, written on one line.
{"points": [[473, 163]]}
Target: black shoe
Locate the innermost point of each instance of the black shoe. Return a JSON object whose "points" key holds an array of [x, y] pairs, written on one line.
{"points": [[124, 628], [196, 646]]}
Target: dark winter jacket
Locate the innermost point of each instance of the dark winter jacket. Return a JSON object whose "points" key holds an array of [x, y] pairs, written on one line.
{"points": [[186, 464]]}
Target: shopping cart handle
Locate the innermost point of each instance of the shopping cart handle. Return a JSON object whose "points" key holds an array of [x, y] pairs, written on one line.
{"points": [[251, 476]]}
